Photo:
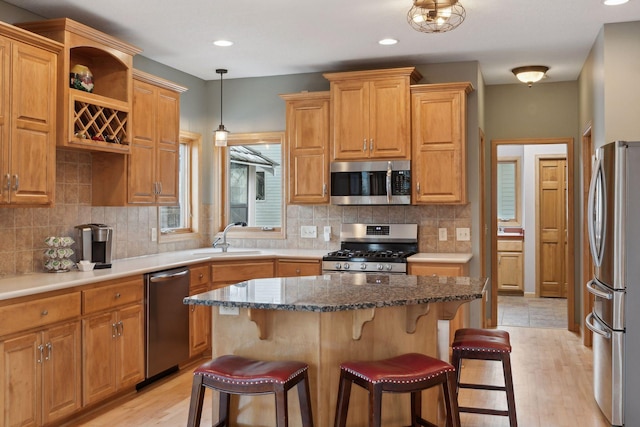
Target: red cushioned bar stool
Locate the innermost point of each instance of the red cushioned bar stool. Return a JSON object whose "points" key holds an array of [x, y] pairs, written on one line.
{"points": [[231, 374], [485, 344], [408, 373]]}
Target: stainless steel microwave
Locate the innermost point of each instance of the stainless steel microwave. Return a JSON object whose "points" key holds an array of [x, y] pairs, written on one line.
{"points": [[371, 182]]}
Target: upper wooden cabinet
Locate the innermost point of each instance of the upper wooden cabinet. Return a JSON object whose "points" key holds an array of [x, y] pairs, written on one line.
{"points": [[307, 142], [104, 113], [370, 113], [438, 119], [28, 75], [155, 144]]}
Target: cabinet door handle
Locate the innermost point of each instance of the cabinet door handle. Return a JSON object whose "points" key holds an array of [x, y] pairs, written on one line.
{"points": [[49, 351], [114, 330], [418, 188], [8, 184], [120, 328], [16, 181], [324, 189], [371, 144], [41, 351], [364, 144]]}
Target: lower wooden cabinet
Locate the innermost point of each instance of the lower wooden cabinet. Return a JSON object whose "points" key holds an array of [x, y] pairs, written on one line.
{"points": [[40, 380], [298, 267], [230, 272], [510, 267], [199, 326]]}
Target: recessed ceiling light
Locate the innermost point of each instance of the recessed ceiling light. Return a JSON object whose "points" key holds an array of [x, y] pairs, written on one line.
{"points": [[222, 43], [614, 2], [388, 42]]}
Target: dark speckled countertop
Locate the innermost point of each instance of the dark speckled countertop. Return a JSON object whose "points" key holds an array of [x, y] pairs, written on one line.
{"points": [[341, 291]]}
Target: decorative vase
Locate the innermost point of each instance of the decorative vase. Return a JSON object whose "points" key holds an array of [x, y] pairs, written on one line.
{"points": [[81, 78]]}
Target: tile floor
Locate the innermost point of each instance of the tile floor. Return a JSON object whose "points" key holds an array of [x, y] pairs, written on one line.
{"points": [[532, 312]]}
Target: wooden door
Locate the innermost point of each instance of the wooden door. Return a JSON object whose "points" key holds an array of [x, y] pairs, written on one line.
{"points": [[438, 148], [308, 147], [98, 354], [168, 146], [199, 326], [33, 114], [350, 112], [5, 55], [61, 382], [389, 118], [552, 215], [20, 381], [130, 347], [142, 160]]}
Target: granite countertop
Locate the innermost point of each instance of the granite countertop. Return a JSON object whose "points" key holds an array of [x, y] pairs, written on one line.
{"points": [[341, 291], [34, 283]]}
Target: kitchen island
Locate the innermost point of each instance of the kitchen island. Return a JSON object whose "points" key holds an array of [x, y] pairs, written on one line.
{"points": [[324, 320]]}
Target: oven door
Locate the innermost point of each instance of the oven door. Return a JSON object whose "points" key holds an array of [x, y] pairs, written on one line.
{"points": [[608, 371]]}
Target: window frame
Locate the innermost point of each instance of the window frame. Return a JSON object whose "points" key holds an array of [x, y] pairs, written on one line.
{"points": [[194, 142], [517, 221], [221, 155]]}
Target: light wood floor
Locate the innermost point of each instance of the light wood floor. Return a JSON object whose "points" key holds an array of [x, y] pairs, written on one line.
{"points": [[551, 373]]}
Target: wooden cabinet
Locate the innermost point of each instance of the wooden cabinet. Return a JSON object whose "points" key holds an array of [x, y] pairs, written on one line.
{"points": [[229, 272], [155, 145], [307, 143], [28, 73], [438, 118], [510, 267], [199, 315], [88, 119], [370, 113], [298, 267], [113, 338], [40, 379]]}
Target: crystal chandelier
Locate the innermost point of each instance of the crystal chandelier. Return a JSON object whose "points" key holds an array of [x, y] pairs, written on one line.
{"points": [[436, 16]]}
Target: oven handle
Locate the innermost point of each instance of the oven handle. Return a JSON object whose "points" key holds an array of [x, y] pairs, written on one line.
{"points": [[389, 169], [594, 289], [590, 321]]}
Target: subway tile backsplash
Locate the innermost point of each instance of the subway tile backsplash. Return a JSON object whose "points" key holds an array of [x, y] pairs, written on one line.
{"points": [[23, 230]]}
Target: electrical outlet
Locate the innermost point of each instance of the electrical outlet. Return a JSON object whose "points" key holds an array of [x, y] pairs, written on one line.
{"points": [[442, 234], [228, 311], [463, 234], [154, 234], [308, 231]]}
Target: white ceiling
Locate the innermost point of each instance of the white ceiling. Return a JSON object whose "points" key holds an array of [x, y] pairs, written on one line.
{"points": [[279, 37]]}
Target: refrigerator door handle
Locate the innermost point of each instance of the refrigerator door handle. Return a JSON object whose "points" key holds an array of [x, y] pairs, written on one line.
{"points": [[593, 288], [596, 247], [590, 321]]}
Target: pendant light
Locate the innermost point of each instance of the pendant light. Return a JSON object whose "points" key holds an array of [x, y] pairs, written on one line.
{"points": [[221, 134], [436, 16]]}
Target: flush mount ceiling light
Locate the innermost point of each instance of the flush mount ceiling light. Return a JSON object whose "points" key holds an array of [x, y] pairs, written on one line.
{"points": [[221, 134], [614, 2], [435, 16], [223, 43], [530, 74], [388, 42]]}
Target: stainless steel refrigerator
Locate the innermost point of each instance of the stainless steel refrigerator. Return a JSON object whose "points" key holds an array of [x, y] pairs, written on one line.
{"points": [[614, 235]]}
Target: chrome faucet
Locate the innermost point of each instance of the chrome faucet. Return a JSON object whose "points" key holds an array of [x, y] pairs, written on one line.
{"points": [[224, 245]]}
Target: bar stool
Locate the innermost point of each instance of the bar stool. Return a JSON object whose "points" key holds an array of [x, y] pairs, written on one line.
{"points": [[407, 373], [485, 344], [231, 374]]}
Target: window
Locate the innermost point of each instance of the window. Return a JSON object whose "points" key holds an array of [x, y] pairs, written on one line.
{"points": [[508, 195], [181, 222], [252, 184]]}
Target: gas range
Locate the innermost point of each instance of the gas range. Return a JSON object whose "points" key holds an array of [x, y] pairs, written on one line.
{"points": [[373, 248]]}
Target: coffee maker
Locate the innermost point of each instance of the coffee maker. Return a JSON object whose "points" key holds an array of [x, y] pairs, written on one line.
{"points": [[94, 244]]}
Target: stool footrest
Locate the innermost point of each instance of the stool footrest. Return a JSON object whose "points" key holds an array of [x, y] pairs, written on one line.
{"points": [[483, 411], [482, 387]]}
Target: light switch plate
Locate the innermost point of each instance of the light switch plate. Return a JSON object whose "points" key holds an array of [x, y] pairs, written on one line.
{"points": [[442, 234], [463, 234], [154, 234], [308, 231]]}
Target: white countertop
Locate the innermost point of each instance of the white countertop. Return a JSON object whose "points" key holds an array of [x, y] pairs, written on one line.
{"points": [[35, 283]]}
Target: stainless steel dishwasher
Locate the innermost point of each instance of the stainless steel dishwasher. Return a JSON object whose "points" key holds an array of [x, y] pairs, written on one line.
{"points": [[167, 321]]}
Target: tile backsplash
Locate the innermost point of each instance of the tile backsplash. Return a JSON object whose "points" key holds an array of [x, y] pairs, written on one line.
{"points": [[23, 230]]}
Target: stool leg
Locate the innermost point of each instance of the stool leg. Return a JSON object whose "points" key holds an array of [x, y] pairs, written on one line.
{"points": [[375, 405], [305, 401], [508, 382], [282, 407], [195, 406], [416, 407], [451, 399], [342, 407], [456, 361], [224, 405]]}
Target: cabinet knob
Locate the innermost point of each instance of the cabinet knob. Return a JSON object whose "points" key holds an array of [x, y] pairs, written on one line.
{"points": [[118, 295], [44, 312], [297, 271], [201, 276]]}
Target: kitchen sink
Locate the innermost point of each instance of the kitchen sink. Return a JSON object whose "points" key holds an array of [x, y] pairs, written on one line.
{"points": [[231, 252]]}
